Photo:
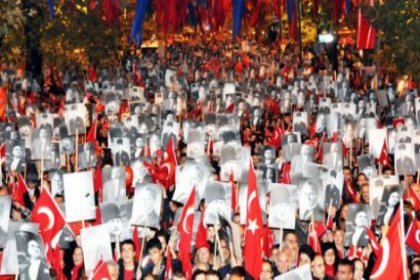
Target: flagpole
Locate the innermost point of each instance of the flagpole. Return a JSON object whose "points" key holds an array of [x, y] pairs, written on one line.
{"points": [[77, 151]]}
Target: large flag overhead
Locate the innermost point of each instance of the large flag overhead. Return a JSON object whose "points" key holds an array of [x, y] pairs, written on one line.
{"points": [[238, 13], [366, 33], [253, 249], [137, 29]]}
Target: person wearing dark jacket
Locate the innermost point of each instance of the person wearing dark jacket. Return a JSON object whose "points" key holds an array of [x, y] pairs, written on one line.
{"points": [[127, 264]]}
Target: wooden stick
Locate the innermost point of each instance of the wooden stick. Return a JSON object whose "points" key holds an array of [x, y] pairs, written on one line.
{"points": [[83, 223], [329, 210], [219, 246], [281, 237], [42, 164]]}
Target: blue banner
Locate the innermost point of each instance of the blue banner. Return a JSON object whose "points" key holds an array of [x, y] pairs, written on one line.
{"points": [[137, 29], [238, 13], [51, 4]]}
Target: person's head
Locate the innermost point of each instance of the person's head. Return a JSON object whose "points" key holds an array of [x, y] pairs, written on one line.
{"points": [[364, 193], [212, 275], [154, 248], [128, 251], [237, 273], [309, 194], [211, 233], [179, 275], [163, 238], [17, 151], [291, 239], [339, 237], [362, 179], [34, 250], [267, 271], [361, 219], [203, 255], [345, 270], [224, 245], [330, 254], [394, 198], [77, 256], [199, 275], [268, 154], [113, 270], [306, 255], [359, 269], [318, 267], [283, 260]]}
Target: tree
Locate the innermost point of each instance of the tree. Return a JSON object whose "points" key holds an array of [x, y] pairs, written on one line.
{"points": [[398, 30]]}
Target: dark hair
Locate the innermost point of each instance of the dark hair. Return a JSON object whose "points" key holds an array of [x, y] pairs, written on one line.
{"points": [[162, 233], [238, 271], [198, 272], [128, 242], [346, 262], [307, 250], [213, 273], [154, 243]]}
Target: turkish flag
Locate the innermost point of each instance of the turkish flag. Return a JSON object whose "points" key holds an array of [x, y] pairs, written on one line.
{"points": [[21, 189], [253, 250], [201, 236], [366, 33], [92, 76], [275, 139], [137, 242], [3, 103], [230, 107], [377, 250], [313, 237], [47, 214], [413, 236], [91, 137], [392, 264], [412, 196], [101, 271], [384, 157], [2, 153], [185, 228]]}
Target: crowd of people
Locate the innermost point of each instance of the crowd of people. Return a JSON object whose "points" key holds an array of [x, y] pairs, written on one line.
{"points": [[122, 152]]}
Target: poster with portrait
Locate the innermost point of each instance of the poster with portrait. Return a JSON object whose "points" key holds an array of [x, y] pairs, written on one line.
{"points": [[283, 205], [188, 124], [376, 189], [112, 104], [377, 138], [333, 155], [120, 147], [242, 198], [140, 172], [231, 162], [301, 273], [136, 94], [113, 179], [267, 155], [405, 159], [359, 218], [311, 200], [74, 116], [112, 218], [218, 198], [60, 128], [15, 155], [187, 176], [146, 206], [196, 142], [41, 144], [332, 124], [300, 122], [80, 198], [367, 165], [131, 124], [391, 197], [86, 156], [404, 134], [5, 206], [45, 120], [25, 130], [333, 188], [57, 183], [31, 256], [96, 245]]}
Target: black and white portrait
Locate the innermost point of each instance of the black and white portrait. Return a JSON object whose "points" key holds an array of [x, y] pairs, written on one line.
{"points": [[72, 96], [112, 106], [300, 122], [367, 165], [404, 134], [217, 196], [196, 140], [170, 130], [138, 143], [230, 161], [45, 120], [321, 124], [15, 155], [282, 212], [86, 157], [131, 123], [187, 176], [80, 198], [5, 206], [305, 156], [267, 155], [391, 198], [113, 179], [41, 144], [121, 151], [377, 137], [359, 218], [57, 183], [31, 256], [111, 217], [147, 205], [60, 130], [404, 159], [210, 124], [140, 172], [75, 118], [67, 146], [333, 156], [301, 273], [188, 124], [25, 130], [333, 186], [136, 94], [311, 200], [376, 189], [96, 245], [55, 160]]}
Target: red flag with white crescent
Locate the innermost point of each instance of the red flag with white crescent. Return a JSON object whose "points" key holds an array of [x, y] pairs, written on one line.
{"points": [[413, 236], [253, 249], [412, 196], [384, 157], [47, 214], [185, 228], [168, 265]]}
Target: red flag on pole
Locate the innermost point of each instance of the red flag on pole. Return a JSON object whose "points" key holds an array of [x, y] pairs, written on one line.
{"points": [[392, 264], [2, 153], [201, 236], [91, 137], [101, 271], [168, 266], [377, 250], [185, 228], [3, 103], [366, 33], [137, 243], [21, 189], [383, 157], [413, 236], [253, 250], [412, 196], [47, 214]]}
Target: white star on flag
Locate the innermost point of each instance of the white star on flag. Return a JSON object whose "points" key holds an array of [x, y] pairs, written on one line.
{"points": [[252, 225]]}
